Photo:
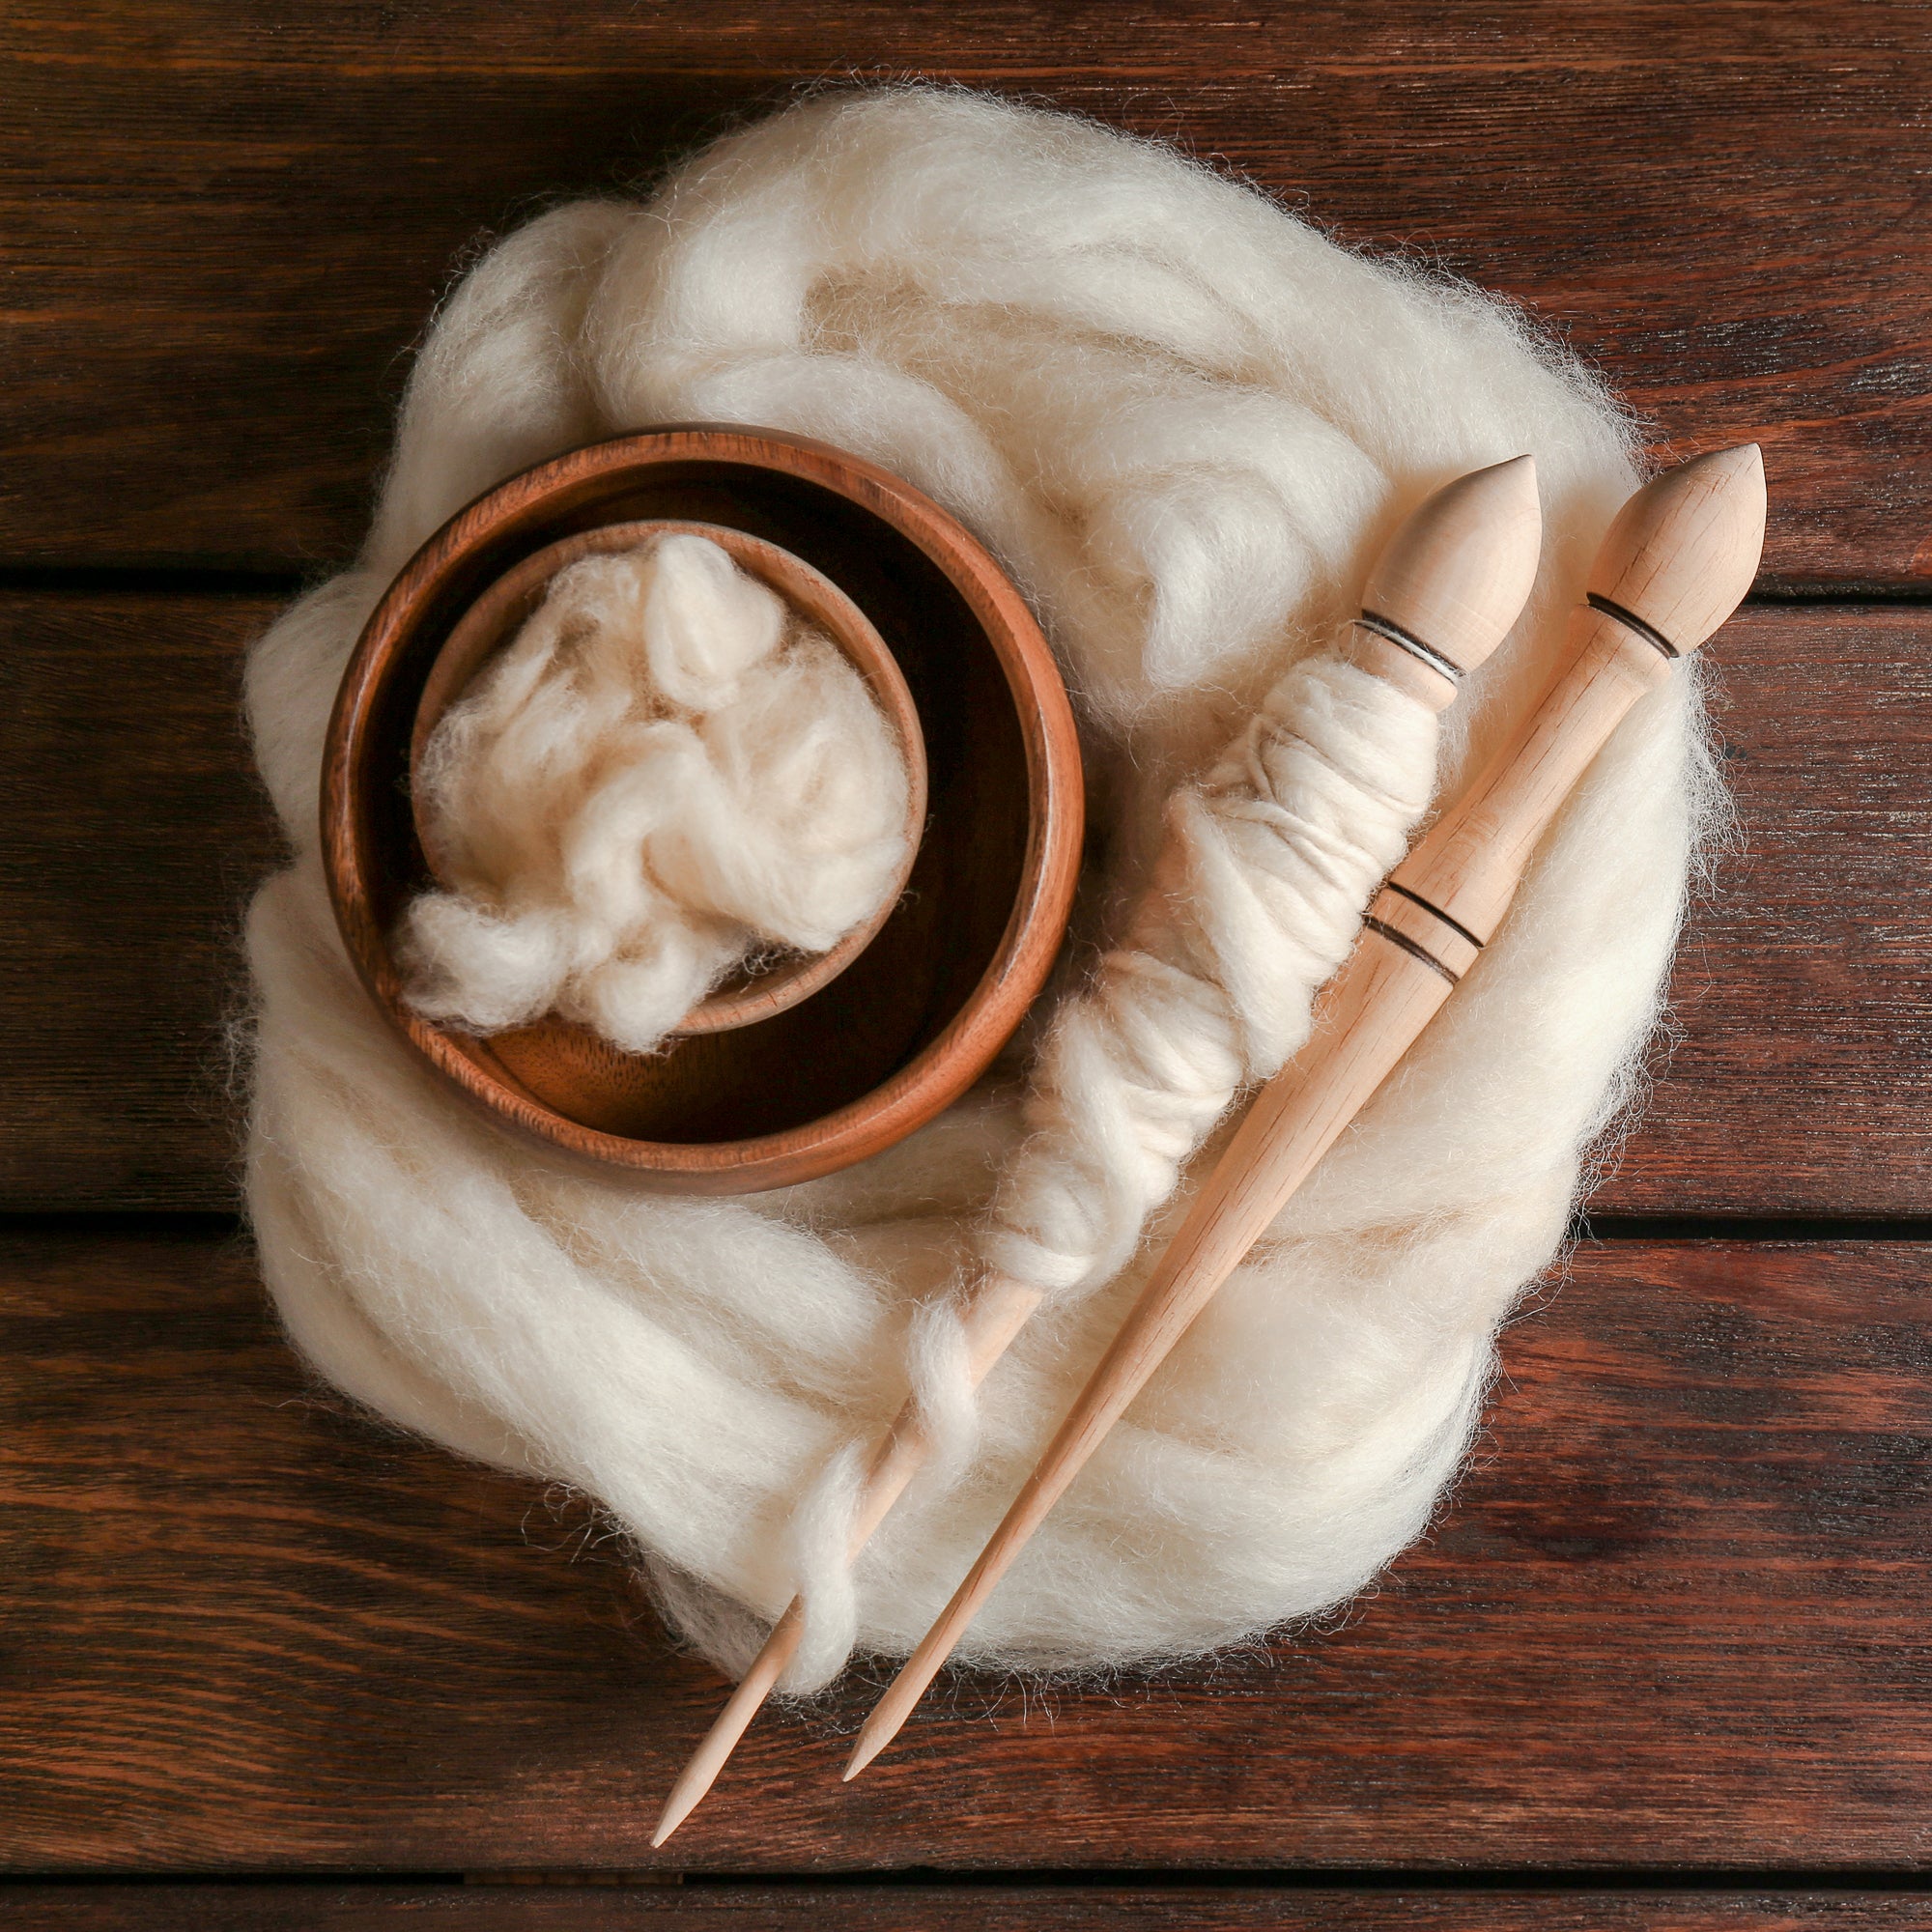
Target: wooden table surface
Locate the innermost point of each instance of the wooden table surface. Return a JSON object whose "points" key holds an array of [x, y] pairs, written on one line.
{"points": [[1665, 1661]]}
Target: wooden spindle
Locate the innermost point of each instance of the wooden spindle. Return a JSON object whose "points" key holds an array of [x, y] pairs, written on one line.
{"points": [[1442, 594], [1679, 556]]}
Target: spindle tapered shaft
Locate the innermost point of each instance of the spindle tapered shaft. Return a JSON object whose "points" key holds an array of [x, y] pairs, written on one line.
{"points": [[998, 1312], [1676, 562], [1443, 593]]}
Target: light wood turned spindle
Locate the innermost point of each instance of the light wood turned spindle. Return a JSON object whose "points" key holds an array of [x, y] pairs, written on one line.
{"points": [[1679, 555], [1443, 593]]}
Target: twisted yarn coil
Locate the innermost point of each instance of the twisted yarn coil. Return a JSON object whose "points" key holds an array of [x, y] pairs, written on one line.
{"points": [[1185, 421]]}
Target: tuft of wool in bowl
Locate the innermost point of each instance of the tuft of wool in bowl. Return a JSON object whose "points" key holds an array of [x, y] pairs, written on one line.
{"points": [[651, 786], [1185, 421]]}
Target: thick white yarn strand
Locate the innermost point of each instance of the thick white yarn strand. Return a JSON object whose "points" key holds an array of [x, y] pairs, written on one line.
{"points": [[1256, 898], [1186, 422], [652, 783]]}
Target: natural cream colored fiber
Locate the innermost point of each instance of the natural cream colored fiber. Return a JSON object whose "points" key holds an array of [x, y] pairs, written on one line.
{"points": [[1185, 421], [652, 784]]}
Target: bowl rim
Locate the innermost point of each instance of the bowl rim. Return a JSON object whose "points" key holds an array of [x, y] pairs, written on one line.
{"points": [[942, 1071], [488, 627]]}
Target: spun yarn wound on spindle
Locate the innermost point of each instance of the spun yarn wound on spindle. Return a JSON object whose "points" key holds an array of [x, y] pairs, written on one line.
{"points": [[1185, 421], [1254, 902], [650, 785]]}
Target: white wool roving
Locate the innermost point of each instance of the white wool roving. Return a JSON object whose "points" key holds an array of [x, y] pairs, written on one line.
{"points": [[652, 784], [1186, 422]]}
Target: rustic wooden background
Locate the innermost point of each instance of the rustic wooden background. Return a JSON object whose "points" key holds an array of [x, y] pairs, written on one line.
{"points": [[1666, 1661]]}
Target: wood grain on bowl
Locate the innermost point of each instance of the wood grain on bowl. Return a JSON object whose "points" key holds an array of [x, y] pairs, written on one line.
{"points": [[918, 1015]]}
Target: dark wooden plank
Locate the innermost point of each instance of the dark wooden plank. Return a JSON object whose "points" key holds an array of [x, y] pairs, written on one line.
{"points": [[1674, 1618], [224, 225], [129, 832], [1802, 1066], [964, 1907]]}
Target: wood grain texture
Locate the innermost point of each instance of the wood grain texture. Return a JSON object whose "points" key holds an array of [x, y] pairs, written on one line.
{"points": [[1675, 1617], [131, 829], [225, 224], [294, 1907], [129, 832], [1677, 1613], [1801, 1042]]}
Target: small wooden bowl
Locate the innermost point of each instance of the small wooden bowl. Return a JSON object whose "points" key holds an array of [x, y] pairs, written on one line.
{"points": [[764, 990], [920, 1014]]}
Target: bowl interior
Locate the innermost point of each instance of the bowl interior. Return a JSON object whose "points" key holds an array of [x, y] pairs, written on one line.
{"points": [[764, 986], [968, 883]]}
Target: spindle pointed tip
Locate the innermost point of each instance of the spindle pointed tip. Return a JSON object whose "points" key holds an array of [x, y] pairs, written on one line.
{"points": [[1735, 474], [1458, 572], [1507, 492], [1517, 473], [1683, 549], [1741, 459], [677, 1807], [870, 1744]]}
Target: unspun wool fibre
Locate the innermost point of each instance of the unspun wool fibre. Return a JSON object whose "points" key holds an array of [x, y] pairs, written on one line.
{"points": [[1186, 422], [663, 775]]}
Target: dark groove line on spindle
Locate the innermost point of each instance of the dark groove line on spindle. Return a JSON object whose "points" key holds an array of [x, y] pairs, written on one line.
{"points": [[1409, 641], [1436, 911], [1635, 625], [1415, 952]]}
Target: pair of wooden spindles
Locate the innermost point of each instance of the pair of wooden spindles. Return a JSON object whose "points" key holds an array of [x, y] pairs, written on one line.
{"points": [[1674, 564]]}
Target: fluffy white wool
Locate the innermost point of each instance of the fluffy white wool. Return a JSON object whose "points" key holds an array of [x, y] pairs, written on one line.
{"points": [[652, 784], [1185, 421]]}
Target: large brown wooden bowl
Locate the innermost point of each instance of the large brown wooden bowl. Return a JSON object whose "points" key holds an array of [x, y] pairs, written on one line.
{"points": [[917, 1017]]}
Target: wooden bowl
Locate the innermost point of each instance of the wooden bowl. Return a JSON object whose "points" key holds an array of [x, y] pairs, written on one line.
{"points": [[918, 1015], [764, 988]]}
